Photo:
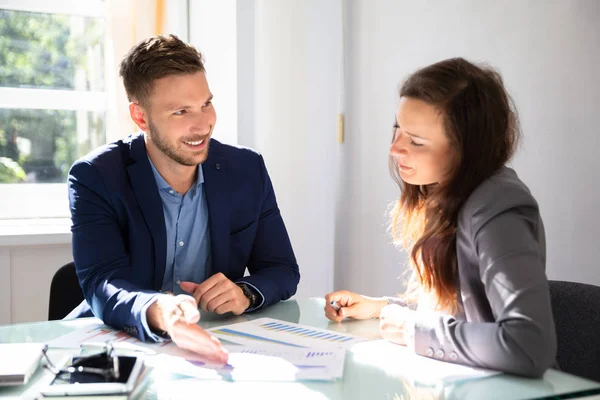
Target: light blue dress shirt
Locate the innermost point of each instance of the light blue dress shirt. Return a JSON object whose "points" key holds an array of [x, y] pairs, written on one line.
{"points": [[188, 238]]}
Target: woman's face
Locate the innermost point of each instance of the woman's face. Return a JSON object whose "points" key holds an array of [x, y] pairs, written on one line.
{"points": [[423, 152]]}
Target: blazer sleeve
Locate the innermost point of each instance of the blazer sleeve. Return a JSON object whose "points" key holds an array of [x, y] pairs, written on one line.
{"points": [[101, 259], [511, 260], [272, 264]]}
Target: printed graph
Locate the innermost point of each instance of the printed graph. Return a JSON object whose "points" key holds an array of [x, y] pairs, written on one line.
{"points": [[312, 354], [306, 333], [244, 335], [96, 334], [298, 356], [272, 331], [104, 334], [309, 354]]}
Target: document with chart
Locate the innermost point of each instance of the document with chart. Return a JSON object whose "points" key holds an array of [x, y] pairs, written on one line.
{"points": [[259, 360], [276, 332], [260, 363], [303, 364]]}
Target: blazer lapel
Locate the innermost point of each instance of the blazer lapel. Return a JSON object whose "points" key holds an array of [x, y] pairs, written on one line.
{"points": [[217, 197], [148, 198]]}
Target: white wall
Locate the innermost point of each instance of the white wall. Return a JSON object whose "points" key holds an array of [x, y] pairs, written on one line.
{"points": [[213, 31], [548, 53], [26, 272], [273, 67], [288, 113]]}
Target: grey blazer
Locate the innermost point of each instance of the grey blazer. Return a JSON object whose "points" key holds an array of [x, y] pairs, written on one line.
{"points": [[505, 320]]}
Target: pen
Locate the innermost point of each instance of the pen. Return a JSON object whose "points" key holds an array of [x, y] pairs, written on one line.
{"points": [[335, 305]]}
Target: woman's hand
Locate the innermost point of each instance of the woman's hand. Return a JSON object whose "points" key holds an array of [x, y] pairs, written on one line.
{"points": [[352, 305], [397, 324]]}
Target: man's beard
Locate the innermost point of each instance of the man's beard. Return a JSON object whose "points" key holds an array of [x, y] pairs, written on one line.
{"points": [[171, 151]]}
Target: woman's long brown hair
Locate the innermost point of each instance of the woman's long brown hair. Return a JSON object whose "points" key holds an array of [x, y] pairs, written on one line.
{"points": [[481, 122]]}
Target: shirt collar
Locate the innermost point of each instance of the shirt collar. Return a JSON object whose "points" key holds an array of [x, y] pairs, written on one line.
{"points": [[162, 184]]}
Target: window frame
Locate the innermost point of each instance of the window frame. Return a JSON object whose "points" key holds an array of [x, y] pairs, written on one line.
{"points": [[46, 200], [87, 8]]}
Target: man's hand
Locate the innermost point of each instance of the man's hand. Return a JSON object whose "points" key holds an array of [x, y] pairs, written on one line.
{"points": [[218, 294], [352, 305], [178, 316]]}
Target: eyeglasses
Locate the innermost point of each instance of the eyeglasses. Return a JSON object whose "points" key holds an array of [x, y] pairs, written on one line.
{"points": [[103, 364]]}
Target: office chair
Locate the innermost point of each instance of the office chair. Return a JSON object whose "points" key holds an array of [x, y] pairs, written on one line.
{"points": [[65, 292], [577, 317]]}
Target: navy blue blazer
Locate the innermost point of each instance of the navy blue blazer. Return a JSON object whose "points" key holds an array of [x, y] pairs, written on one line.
{"points": [[119, 235]]}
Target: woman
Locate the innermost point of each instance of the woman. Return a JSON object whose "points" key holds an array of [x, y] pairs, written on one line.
{"points": [[478, 294]]}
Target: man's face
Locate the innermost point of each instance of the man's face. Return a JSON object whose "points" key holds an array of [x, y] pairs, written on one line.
{"points": [[180, 118]]}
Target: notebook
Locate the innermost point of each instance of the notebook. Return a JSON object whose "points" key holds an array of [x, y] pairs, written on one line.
{"points": [[18, 362]]}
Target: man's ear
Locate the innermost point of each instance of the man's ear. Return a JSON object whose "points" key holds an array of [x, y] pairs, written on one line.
{"points": [[139, 116]]}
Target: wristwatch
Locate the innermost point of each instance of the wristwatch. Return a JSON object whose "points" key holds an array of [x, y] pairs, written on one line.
{"points": [[249, 293]]}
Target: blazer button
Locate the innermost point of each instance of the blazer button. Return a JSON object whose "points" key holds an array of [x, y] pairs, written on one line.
{"points": [[440, 354], [429, 352], [453, 356]]}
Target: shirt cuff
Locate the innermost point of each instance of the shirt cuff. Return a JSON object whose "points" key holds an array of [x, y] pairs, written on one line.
{"points": [[396, 300], [262, 297], [410, 328], [149, 333]]}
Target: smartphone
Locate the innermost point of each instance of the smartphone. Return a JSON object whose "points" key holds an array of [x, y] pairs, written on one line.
{"points": [[76, 383]]}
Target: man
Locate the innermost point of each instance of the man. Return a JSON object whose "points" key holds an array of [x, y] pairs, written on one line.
{"points": [[166, 221]]}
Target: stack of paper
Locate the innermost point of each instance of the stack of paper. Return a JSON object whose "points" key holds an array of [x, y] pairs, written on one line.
{"points": [[264, 349], [261, 363], [18, 361]]}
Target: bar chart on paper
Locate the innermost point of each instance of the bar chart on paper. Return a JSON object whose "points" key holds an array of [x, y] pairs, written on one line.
{"points": [[308, 364], [296, 330], [261, 363], [272, 331], [95, 334], [101, 334]]}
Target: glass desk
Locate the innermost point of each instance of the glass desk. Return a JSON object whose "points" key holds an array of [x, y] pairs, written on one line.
{"points": [[363, 377]]}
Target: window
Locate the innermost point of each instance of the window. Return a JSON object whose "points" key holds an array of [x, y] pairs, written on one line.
{"points": [[52, 100]]}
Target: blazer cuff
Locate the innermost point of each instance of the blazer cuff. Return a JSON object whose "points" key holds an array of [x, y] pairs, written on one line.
{"points": [[431, 339]]}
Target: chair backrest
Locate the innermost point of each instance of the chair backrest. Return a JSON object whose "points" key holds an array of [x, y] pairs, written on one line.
{"points": [[65, 292], [576, 308]]}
